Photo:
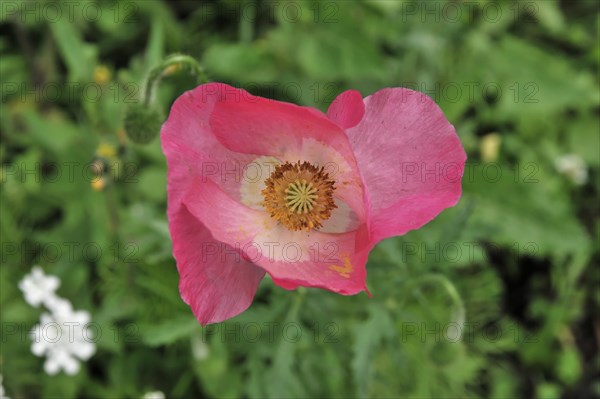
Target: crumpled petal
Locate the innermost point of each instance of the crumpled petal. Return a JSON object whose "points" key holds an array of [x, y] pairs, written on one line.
{"points": [[215, 280], [191, 147], [410, 158]]}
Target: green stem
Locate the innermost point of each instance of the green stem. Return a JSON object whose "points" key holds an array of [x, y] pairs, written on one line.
{"points": [[158, 72], [246, 28], [293, 312], [450, 290]]}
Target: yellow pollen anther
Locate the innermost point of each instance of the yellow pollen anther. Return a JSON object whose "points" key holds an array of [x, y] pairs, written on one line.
{"points": [[299, 195]]}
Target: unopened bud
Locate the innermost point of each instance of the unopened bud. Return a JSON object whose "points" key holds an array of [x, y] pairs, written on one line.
{"points": [[142, 123]]}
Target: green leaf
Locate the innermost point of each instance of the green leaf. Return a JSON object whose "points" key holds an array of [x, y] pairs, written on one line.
{"points": [[569, 366], [217, 376], [169, 331], [79, 56], [368, 336]]}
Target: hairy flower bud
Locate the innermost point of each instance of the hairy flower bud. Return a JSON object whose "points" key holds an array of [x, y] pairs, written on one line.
{"points": [[142, 123]]}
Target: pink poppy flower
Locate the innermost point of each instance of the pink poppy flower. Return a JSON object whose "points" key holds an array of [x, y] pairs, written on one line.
{"points": [[259, 186]]}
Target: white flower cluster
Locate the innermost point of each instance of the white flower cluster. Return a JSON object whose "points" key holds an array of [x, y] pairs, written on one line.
{"points": [[2, 390], [39, 288], [62, 335], [154, 395], [572, 166]]}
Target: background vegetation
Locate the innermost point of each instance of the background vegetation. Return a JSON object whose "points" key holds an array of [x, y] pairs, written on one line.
{"points": [[514, 265]]}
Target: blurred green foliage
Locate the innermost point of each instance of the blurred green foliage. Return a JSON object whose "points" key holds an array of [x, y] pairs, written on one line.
{"points": [[512, 265]]}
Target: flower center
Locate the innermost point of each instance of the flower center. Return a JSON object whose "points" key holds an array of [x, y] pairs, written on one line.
{"points": [[299, 195]]}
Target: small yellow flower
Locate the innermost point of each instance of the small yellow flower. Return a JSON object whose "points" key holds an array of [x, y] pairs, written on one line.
{"points": [[489, 147], [98, 184], [102, 75], [107, 151]]}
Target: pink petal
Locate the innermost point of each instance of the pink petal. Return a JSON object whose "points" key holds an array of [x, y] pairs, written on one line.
{"points": [[347, 109], [410, 158], [214, 284], [187, 137], [215, 280], [332, 261], [256, 125]]}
